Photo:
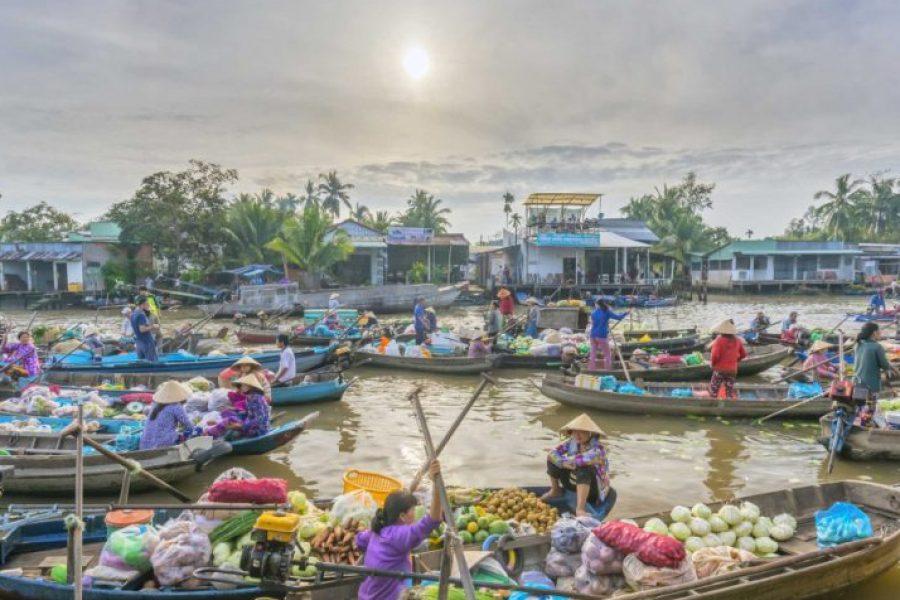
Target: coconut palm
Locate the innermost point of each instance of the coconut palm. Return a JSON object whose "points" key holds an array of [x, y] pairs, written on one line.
{"points": [[424, 210], [838, 213], [508, 200], [309, 241], [516, 221], [879, 207], [334, 193], [251, 222], [360, 213], [380, 221], [310, 193], [288, 203]]}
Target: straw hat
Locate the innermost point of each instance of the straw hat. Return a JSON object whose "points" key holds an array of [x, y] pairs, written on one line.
{"points": [[334, 296], [127, 310], [725, 327], [531, 300], [250, 381], [246, 360], [820, 345], [171, 392], [582, 423], [503, 293], [430, 309]]}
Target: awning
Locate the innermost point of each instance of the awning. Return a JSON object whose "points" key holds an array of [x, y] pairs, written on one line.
{"points": [[608, 239], [560, 199], [41, 255]]}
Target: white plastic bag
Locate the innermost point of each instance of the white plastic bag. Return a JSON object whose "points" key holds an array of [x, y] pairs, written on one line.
{"points": [[641, 576], [357, 504], [182, 548]]}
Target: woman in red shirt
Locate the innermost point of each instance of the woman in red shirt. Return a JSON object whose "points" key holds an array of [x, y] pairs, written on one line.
{"points": [[727, 352], [507, 306]]}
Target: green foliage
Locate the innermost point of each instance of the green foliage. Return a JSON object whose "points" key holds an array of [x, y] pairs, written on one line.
{"points": [[508, 200], [515, 220], [380, 221], [309, 242], [334, 193], [424, 210], [418, 272], [38, 223], [675, 214], [360, 213], [180, 213], [114, 274], [251, 222]]}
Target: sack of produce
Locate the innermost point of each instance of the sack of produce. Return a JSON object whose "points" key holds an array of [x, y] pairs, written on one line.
{"points": [[357, 505], [658, 550], [560, 564], [600, 559], [682, 393], [535, 579], [709, 562], [629, 388], [268, 490], [198, 402], [182, 548], [622, 536], [666, 360], [694, 358], [608, 383], [142, 397], [661, 551], [641, 576], [568, 534], [804, 390], [130, 548], [842, 522], [596, 585]]}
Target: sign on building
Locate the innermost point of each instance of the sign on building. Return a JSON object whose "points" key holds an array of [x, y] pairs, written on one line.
{"points": [[409, 235]]}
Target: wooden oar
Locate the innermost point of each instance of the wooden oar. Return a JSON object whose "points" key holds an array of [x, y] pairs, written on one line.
{"points": [[792, 406], [485, 381]]}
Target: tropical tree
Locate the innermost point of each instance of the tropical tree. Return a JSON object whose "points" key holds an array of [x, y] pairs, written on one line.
{"points": [[424, 210], [310, 193], [516, 221], [309, 241], [251, 222], [878, 207], [508, 200], [380, 221], [334, 193], [360, 212], [288, 203], [839, 212], [38, 223]]}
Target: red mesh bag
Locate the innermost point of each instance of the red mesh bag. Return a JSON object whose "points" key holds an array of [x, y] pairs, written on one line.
{"points": [[651, 548], [661, 551], [254, 491], [145, 397], [622, 536]]}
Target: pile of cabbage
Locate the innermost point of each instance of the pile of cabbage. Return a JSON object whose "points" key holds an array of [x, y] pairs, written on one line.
{"points": [[740, 527]]}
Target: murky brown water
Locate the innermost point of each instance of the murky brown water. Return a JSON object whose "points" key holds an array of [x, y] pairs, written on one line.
{"points": [[656, 461]]}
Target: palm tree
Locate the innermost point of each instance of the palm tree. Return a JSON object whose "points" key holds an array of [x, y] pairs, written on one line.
{"points": [[334, 193], [310, 193], [288, 203], [309, 241], [516, 221], [879, 207], [380, 221], [839, 211], [508, 200], [360, 212], [424, 210], [250, 224]]}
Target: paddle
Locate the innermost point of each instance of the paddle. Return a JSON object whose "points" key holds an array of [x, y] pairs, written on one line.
{"points": [[792, 406]]}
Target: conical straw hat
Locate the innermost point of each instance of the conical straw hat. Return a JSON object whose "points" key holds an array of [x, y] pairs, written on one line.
{"points": [[247, 360], [251, 381], [171, 392], [819, 345], [726, 327], [582, 423]]}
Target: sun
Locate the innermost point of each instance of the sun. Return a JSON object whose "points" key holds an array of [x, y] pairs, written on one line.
{"points": [[416, 62]]}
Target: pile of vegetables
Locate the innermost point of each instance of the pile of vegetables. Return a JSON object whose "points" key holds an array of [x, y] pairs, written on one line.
{"points": [[475, 525], [229, 538], [337, 543], [522, 506], [735, 526]]}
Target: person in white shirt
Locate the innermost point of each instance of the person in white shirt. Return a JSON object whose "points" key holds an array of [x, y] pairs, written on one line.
{"points": [[127, 329], [333, 303], [287, 366]]}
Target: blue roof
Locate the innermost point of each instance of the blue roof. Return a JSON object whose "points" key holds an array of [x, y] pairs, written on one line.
{"points": [[253, 270]]}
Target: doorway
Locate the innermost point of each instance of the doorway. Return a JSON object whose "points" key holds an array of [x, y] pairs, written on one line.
{"points": [[569, 270]]}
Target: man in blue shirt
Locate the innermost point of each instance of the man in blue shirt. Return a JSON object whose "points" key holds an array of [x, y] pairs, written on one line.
{"points": [[600, 334], [144, 341], [876, 303], [420, 322]]}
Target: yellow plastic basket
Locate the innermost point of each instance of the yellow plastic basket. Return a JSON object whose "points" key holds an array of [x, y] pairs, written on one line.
{"points": [[378, 485]]}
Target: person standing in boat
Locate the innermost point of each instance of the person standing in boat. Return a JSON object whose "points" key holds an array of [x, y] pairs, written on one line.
{"points": [[531, 328], [876, 303], [420, 321], [493, 320], [579, 465], [153, 310], [144, 329], [726, 352], [818, 364], [600, 333], [333, 302], [287, 364], [870, 360], [431, 319], [168, 423], [21, 356], [507, 306]]}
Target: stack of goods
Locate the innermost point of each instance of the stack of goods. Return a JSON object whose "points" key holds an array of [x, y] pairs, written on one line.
{"points": [[125, 555], [331, 536], [475, 524], [522, 506], [888, 413], [841, 523], [651, 559], [666, 360], [607, 383], [567, 541]]}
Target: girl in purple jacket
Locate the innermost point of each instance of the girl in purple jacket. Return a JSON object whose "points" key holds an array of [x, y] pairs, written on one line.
{"points": [[394, 534]]}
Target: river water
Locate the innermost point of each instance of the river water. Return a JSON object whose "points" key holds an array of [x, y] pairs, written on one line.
{"points": [[656, 462]]}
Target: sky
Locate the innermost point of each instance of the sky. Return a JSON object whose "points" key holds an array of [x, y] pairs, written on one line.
{"points": [[771, 100]]}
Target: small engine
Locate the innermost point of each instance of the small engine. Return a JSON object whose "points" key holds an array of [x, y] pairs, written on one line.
{"points": [[270, 555]]}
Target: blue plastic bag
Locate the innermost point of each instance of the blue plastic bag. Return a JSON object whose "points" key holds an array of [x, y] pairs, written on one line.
{"points": [[535, 579], [630, 388], [842, 523], [608, 382], [804, 390], [682, 393]]}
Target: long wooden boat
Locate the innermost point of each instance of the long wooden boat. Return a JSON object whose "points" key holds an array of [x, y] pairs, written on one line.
{"points": [[754, 400], [267, 336], [176, 366], [802, 569], [446, 365], [863, 444], [759, 359], [307, 393], [655, 333]]}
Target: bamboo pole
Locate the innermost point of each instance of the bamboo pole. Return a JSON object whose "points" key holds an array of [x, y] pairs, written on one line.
{"points": [[792, 406], [79, 504]]}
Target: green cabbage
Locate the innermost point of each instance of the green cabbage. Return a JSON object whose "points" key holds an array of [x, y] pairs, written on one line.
{"points": [[693, 543], [701, 511], [712, 541], [786, 519], [743, 529], [749, 512], [780, 533], [766, 545], [656, 525], [760, 530], [728, 538], [731, 514], [680, 531], [680, 514], [747, 543], [699, 527], [717, 524]]}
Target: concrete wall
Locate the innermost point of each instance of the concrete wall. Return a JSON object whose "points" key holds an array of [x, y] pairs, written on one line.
{"points": [[543, 262]]}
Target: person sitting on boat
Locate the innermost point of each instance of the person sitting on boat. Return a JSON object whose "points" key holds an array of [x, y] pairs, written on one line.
{"points": [[600, 333], [420, 322], [333, 302], [243, 367], [287, 364], [493, 320], [791, 332], [479, 347], [431, 319], [579, 465], [168, 423], [726, 352], [22, 362], [876, 303], [249, 413], [507, 306], [531, 328], [92, 343], [870, 359], [144, 328], [760, 323], [394, 534], [332, 322], [818, 364]]}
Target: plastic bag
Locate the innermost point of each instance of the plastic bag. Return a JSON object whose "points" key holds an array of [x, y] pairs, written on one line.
{"points": [[559, 564], [641, 576], [661, 551], [142, 397], [596, 585], [198, 402], [218, 400], [629, 388], [682, 393], [657, 550], [842, 522], [709, 562], [130, 547], [255, 491], [694, 358], [600, 559], [357, 504], [182, 548], [608, 382], [535, 579], [804, 390], [569, 533], [110, 576]]}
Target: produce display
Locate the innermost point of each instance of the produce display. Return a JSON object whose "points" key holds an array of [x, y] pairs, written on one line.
{"points": [[337, 543], [522, 506], [474, 525]]}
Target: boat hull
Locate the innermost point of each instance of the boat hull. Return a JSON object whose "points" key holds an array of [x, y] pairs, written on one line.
{"points": [[322, 391], [864, 444], [267, 336], [447, 365]]}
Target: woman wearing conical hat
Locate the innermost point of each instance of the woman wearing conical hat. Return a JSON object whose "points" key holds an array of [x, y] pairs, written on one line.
{"points": [[818, 364], [579, 465], [246, 365], [726, 352], [168, 423]]}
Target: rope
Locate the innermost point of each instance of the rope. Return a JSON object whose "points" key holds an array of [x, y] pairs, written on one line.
{"points": [[72, 523], [133, 466]]}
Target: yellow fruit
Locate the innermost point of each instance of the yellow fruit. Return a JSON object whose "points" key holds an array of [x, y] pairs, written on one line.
{"points": [[472, 527]]}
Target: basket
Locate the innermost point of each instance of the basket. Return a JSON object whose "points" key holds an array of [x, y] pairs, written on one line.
{"points": [[378, 485]]}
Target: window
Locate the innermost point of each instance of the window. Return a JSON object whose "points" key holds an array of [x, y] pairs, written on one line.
{"points": [[743, 262], [760, 263], [829, 261], [720, 265]]}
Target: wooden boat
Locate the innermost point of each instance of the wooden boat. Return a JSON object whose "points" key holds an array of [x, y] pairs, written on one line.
{"points": [[863, 444], [446, 365], [307, 393], [754, 400], [54, 474], [760, 358], [655, 333], [802, 569], [887, 317], [172, 366], [267, 336]]}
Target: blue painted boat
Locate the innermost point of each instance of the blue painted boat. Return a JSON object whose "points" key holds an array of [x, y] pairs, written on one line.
{"points": [[57, 423], [865, 318], [306, 393], [272, 440]]}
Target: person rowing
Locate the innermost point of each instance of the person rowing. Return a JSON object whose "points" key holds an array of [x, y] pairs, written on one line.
{"points": [[760, 323], [877, 304], [534, 311], [726, 352], [818, 364], [791, 332], [579, 464]]}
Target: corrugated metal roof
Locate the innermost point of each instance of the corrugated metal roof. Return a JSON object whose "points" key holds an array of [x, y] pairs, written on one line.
{"points": [[40, 255], [561, 199], [630, 228]]}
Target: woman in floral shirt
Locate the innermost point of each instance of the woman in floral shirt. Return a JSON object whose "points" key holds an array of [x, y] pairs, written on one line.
{"points": [[249, 413], [579, 464], [23, 354]]}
